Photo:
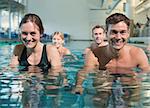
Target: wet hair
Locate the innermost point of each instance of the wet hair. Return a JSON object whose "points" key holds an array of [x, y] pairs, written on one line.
{"points": [[60, 34], [30, 17], [98, 26], [116, 18]]}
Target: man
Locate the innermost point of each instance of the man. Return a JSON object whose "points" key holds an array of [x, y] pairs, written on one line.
{"points": [[99, 36], [119, 53]]}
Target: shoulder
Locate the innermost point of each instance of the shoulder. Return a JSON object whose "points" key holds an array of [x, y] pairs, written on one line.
{"points": [[51, 48], [93, 46], [19, 46], [140, 57], [137, 53], [86, 50], [134, 50], [66, 51], [102, 50], [18, 49]]}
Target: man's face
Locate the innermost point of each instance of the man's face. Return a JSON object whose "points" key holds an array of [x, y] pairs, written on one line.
{"points": [[98, 35], [118, 35]]}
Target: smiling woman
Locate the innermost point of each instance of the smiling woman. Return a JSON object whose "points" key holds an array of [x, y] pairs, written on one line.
{"points": [[32, 51], [58, 41]]}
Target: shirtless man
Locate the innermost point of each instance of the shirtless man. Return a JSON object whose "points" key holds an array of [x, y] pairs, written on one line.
{"points": [[119, 53], [118, 56]]}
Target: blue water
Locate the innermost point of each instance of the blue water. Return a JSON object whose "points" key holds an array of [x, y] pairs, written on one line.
{"points": [[21, 88]]}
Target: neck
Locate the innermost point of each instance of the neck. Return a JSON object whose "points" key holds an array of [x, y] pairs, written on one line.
{"points": [[102, 44], [36, 49], [115, 52], [120, 53]]}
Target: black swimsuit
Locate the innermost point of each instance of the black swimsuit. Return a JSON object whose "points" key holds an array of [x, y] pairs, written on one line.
{"points": [[44, 63]]}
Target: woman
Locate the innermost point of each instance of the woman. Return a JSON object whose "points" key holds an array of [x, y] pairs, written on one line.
{"points": [[58, 41], [32, 52]]}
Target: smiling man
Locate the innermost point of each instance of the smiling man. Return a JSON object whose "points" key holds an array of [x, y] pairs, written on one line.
{"points": [[119, 53], [118, 57]]}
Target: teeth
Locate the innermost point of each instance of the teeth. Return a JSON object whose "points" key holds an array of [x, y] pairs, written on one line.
{"points": [[117, 40]]}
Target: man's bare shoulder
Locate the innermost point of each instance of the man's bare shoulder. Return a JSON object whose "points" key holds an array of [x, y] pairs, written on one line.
{"points": [[87, 50], [135, 50]]}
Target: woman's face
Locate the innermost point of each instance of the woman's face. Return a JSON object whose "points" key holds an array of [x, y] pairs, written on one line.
{"points": [[57, 41], [30, 34]]}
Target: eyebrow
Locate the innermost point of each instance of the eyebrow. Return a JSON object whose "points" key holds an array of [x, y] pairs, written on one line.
{"points": [[26, 33], [116, 31]]}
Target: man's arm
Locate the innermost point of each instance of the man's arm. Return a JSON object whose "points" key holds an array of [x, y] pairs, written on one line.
{"points": [[142, 60], [90, 65]]}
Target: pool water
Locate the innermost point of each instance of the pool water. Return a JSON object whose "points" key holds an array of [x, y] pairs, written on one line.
{"points": [[30, 88]]}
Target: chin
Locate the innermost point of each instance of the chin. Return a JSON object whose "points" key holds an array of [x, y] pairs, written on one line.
{"points": [[57, 46], [98, 42], [30, 46]]}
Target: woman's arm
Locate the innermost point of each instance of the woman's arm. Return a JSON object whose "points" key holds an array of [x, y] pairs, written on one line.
{"points": [[16, 55], [53, 56]]}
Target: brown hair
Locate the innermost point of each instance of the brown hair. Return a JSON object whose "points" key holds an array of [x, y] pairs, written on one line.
{"points": [[97, 26], [116, 18], [33, 18]]}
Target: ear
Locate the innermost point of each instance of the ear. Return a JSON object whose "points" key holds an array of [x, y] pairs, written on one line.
{"points": [[19, 37], [63, 41], [41, 35], [128, 35], [106, 33]]}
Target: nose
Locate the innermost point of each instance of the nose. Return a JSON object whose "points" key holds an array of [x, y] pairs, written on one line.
{"points": [[118, 35], [28, 37]]}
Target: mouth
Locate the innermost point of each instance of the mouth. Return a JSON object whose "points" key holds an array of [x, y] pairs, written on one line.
{"points": [[118, 42], [28, 41], [98, 40]]}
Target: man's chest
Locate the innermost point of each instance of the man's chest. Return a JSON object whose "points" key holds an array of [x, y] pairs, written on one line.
{"points": [[124, 62]]}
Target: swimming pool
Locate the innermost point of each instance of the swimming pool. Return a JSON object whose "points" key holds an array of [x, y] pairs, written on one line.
{"points": [[21, 88]]}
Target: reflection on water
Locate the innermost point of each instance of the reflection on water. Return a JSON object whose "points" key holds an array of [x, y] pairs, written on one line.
{"points": [[117, 90], [31, 88]]}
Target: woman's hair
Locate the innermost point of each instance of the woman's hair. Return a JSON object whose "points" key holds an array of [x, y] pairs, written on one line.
{"points": [[60, 34], [30, 17], [116, 18]]}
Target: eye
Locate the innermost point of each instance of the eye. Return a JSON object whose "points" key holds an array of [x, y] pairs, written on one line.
{"points": [[123, 32], [32, 33], [114, 32], [24, 33]]}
